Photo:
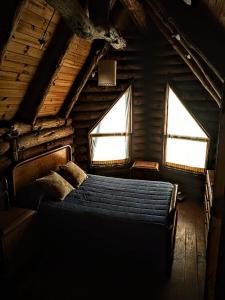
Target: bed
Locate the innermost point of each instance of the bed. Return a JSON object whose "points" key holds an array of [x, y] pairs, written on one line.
{"points": [[134, 217]]}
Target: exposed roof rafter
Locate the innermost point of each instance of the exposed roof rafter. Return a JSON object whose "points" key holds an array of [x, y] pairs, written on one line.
{"points": [[51, 61], [96, 53]]}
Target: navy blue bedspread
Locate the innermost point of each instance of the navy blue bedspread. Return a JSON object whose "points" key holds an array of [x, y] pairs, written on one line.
{"points": [[126, 199]]}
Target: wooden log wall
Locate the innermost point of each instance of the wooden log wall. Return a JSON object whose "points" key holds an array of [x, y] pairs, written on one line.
{"points": [[21, 141], [94, 101], [165, 65], [24, 53]]}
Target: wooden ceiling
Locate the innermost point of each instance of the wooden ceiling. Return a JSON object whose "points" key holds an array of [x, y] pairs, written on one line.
{"points": [[24, 53], [43, 61]]}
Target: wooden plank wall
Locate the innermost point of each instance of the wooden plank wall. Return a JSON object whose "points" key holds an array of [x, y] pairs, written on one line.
{"points": [[94, 101], [23, 54]]}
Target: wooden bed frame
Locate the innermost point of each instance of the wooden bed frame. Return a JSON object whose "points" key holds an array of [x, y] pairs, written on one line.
{"points": [[38, 166]]}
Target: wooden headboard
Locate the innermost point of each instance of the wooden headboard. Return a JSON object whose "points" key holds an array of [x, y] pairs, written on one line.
{"points": [[38, 166]]}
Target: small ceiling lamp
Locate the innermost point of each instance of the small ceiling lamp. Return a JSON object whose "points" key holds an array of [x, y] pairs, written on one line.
{"points": [[107, 72]]}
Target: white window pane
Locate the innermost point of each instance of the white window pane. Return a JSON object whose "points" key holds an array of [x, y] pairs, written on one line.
{"points": [[180, 121], [117, 119], [186, 152], [110, 148]]}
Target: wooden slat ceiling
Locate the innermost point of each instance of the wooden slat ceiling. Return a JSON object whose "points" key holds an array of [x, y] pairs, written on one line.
{"points": [[70, 67], [23, 54]]}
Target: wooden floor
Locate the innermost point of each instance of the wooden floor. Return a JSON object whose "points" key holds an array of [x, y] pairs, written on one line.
{"points": [[108, 278]]}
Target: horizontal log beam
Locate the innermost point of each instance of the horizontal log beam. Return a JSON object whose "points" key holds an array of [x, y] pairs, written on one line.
{"points": [[31, 152], [98, 97], [47, 135], [93, 106]]}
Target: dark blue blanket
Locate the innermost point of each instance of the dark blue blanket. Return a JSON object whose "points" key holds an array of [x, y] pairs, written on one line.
{"points": [[124, 199]]}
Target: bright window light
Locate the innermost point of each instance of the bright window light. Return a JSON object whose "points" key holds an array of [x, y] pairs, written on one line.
{"points": [[110, 139], [186, 142]]}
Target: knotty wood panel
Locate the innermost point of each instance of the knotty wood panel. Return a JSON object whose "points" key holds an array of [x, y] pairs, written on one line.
{"points": [[71, 64], [23, 54]]}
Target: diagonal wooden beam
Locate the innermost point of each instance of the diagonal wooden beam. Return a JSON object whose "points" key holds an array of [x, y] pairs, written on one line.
{"points": [[81, 25], [137, 13], [96, 53], [10, 15], [199, 29], [49, 65], [196, 66]]}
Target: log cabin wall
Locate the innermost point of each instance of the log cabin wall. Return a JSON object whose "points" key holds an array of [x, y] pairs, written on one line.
{"points": [[165, 65], [94, 101]]}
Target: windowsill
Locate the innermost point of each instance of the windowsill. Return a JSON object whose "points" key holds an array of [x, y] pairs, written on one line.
{"points": [[183, 171], [110, 166]]}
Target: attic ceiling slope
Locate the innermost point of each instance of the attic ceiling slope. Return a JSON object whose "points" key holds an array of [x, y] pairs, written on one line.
{"points": [[198, 63], [200, 29], [77, 20]]}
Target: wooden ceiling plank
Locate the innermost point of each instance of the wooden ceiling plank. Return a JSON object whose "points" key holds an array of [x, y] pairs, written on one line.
{"points": [[93, 58], [45, 74], [9, 18]]}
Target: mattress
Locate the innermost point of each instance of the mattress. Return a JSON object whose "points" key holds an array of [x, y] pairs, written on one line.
{"points": [[116, 198]]}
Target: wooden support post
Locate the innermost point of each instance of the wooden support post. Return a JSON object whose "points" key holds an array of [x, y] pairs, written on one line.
{"points": [[9, 18], [35, 94], [96, 53]]}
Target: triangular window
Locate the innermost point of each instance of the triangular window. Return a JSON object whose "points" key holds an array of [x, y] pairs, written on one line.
{"points": [[110, 138], [186, 143]]}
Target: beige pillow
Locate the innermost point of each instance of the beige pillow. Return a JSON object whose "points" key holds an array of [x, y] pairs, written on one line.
{"points": [[55, 186], [73, 174]]}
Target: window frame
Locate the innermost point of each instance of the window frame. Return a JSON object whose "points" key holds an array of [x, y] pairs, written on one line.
{"points": [[111, 163], [179, 167]]}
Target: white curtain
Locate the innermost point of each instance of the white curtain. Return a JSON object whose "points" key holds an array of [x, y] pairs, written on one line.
{"points": [[110, 138]]}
